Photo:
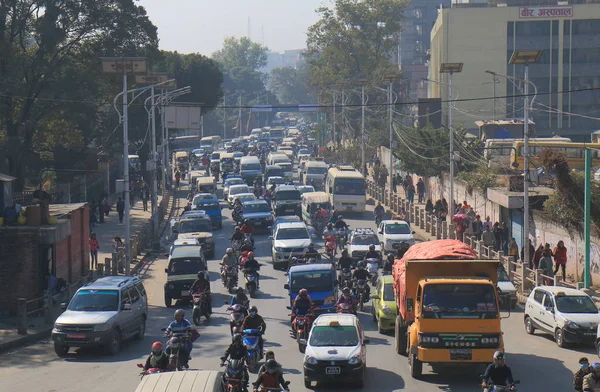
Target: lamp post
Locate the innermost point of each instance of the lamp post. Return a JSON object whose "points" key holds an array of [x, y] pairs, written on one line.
{"points": [[362, 83], [526, 57], [451, 69], [390, 93], [125, 66]]}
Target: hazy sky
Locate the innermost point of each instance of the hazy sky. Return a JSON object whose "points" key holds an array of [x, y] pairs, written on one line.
{"points": [[201, 25]]}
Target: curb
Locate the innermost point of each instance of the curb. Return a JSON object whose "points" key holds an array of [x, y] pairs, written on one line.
{"points": [[25, 340]]}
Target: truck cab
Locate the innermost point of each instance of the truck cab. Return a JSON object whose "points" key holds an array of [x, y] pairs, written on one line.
{"points": [[321, 282]]}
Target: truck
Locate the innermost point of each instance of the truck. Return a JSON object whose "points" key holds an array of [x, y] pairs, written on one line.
{"points": [[448, 306]]}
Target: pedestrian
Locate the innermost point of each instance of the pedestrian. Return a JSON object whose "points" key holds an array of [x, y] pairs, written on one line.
{"points": [[145, 196], [120, 209], [546, 267], [489, 239], [101, 210], [560, 259], [472, 214], [466, 205], [513, 253], [487, 223], [94, 246], [106, 205], [395, 184], [410, 193], [477, 227], [498, 236], [504, 231], [531, 253], [421, 190], [118, 243], [584, 370], [429, 206], [537, 256]]}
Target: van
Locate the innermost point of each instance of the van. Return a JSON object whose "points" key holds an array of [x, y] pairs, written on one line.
{"points": [[273, 171], [314, 173], [277, 157], [189, 381], [321, 282], [182, 270], [250, 168]]}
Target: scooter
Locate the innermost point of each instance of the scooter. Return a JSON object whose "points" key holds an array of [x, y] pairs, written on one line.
{"points": [[330, 247], [250, 340], [346, 276], [265, 389], [342, 238], [373, 269], [345, 309], [231, 278], [360, 290], [201, 306], [236, 317], [251, 281], [233, 376]]}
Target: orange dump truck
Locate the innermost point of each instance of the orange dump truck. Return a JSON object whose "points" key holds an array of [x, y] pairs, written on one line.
{"points": [[447, 306]]}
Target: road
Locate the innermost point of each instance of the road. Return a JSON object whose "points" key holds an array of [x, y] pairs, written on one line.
{"points": [[535, 360]]}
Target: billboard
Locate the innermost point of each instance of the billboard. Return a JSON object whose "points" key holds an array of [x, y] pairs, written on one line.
{"points": [[183, 117]]}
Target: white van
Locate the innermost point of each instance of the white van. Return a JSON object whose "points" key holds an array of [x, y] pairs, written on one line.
{"points": [[250, 168], [315, 171]]}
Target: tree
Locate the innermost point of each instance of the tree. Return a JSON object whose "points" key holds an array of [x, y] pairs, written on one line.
{"points": [[241, 52], [290, 85]]}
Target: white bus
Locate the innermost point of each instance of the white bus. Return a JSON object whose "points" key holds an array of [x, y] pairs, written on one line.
{"points": [[346, 188]]}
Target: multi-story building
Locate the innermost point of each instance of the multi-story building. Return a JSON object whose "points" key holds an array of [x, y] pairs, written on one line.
{"points": [[483, 37]]}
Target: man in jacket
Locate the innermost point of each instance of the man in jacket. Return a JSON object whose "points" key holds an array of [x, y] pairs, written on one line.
{"points": [[498, 374], [237, 350], [591, 382], [252, 264], [255, 321], [202, 285]]}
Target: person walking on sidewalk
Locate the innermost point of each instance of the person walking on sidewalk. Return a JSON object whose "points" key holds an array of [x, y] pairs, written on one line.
{"points": [[410, 193], [513, 252], [145, 196], [101, 210], [560, 259], [546, 266], [537, 256], [477, 226], [489, 239], [421, 190], [94, 246], [120, 209]]}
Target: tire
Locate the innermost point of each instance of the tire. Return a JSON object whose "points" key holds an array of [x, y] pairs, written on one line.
{"points": [[416, 366], [114, 346], [529, 328], [196, 316], [361, 305], [373, 313], [400, 337], [61, 350], [168, 303], [560, 338], [307, 384], [301, 348], [141, 329], [379, 329]]}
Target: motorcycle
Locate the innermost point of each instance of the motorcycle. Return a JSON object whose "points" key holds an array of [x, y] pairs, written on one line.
{"points": [[231, 278], [342, 238], [251, 281], [243, 258], [233, 377], [346, 278], [178, 361], [330, 247], [236, 245], [501, 388], [301, 328], [201, 306], [250, 340], [373, 268], [258, 190], [236, 317], [345, 309], [265, 389], [360, 290], [150, 370]]}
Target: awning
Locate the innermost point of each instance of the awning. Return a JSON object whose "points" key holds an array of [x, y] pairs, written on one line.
{"points": [[6, 178]]}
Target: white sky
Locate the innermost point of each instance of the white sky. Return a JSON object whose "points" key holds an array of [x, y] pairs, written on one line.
{"points": [[201, 25]]}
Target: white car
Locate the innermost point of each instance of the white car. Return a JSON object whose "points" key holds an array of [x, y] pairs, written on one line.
{"points": [[359, 242], [506, 289], [290, 239], [229, 182], [235, 190], [303, 153], [569, 315], [243, 197], [277, 180], [335, 350], [392, 233]]}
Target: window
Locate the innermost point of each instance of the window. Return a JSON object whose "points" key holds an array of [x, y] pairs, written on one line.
{"points": [[365, 240], [459, 301], [538, 296], [256, 207], [575, 304], [548, 303], [288, 195], [397, 228], [185, 266], [141, 289], [349, 186], [95, 300], [418, 13], [388, 292], [133, 294], [196, 225], [251, 166], [316, 170], [292, 234], [125, 298], [330, 336]]}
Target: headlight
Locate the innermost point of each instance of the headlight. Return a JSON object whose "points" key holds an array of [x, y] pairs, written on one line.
{"points": [[58, 327], [171, 286], [572, 325], [329, 300], [300, 322], [354, 361], [101, 327], [311, 361], [435, 339], [278, 249], [387, 311]]}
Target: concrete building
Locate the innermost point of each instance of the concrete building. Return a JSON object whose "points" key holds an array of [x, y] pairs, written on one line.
{"points": [[287, 58], [483, 36]]}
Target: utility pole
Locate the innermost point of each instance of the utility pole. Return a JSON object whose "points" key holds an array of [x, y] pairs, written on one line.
{"points": [[587, 265], [224, 126], [391, 163], [334, 118], [154, 201], [343, 115], [240, 117]]}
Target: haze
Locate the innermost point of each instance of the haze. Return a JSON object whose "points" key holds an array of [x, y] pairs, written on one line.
{"points": [[201, 25]]}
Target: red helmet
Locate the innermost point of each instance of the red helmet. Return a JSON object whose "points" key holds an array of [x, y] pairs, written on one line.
{"points": [[303, 292], [250, 254], [157, 346]]}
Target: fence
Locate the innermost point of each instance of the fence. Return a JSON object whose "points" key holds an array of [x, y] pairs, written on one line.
{"points": [[522, 277]]}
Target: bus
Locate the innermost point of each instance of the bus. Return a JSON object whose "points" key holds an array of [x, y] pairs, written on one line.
{"points": [[574, 151], [497, 152], [277, 134], [211, 143], [346, 188]]}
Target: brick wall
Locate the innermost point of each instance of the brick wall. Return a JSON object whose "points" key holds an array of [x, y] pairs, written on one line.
{"points": [[72, 253]]}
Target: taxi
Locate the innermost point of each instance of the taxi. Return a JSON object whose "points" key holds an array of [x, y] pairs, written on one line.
{"points": [[335, 350]]}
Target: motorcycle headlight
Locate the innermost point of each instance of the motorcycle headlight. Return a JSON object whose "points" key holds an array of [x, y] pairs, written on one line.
{"points": [[58, 328], [311, 361], [329, 300], [101, 327], [354, 361], [300, 322]]}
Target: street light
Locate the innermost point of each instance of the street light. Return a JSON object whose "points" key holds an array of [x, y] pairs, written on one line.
{"points": [[125, 66], [362, 83], [525, 57], [389, 92], [451, 69]]}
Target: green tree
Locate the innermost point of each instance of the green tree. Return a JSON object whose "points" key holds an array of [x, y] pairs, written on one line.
{"points": [[291, 85], [241, 52]]}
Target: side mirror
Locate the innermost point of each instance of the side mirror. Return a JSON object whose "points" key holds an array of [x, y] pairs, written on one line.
{"points": [[270, 237], [366, 341], [127, 306], [63, 305], [286, 286], [140, 365], [414, 232], [374, 296], [167, 270]]}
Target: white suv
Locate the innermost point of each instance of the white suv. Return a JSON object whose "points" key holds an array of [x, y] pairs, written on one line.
{"points": [[392, 233], [570, 315], [359, 242]]}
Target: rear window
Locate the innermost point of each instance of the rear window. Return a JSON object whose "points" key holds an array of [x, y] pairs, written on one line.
{"points": [[288, 195], [397, 228], [186, 266]]}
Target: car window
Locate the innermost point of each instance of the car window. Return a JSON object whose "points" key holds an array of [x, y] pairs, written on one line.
{"points": [[575, 304], [538, 296], [141, 289], [548, 303], [365, 239], [134, 295], [95, 300], [292, 234], [185, 266], [397, 228], [125, 297], [388, 292], [330, 336]]}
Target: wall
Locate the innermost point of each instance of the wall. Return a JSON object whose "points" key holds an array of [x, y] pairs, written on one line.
{"points": [[72, 253]]}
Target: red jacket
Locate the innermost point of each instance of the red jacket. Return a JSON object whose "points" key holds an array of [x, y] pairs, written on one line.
{"points": [[94, 245], [560, 255], [247, 229]]}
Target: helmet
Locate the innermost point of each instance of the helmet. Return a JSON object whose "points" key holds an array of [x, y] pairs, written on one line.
{"points": [[250, 254], [294, 259], [236, 338], [240, 290], [237, 228], [271, 366], [499, 355], [596, 365], [361, 264], [229, 251], [179, 312], [253, 309], [157, 347], [371, 247], [330, 226], [346, 291], [201, 275], [340, 217], [303, 293], [246, 221]]}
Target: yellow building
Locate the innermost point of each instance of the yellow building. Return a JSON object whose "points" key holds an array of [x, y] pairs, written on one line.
{"points": [[483, 38]]}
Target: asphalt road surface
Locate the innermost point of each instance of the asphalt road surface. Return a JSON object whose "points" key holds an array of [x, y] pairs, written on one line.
{"points": [[535, 360]]}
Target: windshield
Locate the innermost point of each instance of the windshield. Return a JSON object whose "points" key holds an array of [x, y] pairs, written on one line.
{"points": [[206, 143], [258, 207], [251, 166], [306, 189], [575, 304], [293, 234], [244, 198], [238, 189], [276, 180], [459, 301], [272, 172], [185, 266], [365, 240], [349, 186], [316, 170], [276, 133], [388, 292], [234, 181], [208, 207], [304, 151], [329, 336], [196, 225], [397, 228], [285, 166], [97, 300], [288, 195], [313, 281]]}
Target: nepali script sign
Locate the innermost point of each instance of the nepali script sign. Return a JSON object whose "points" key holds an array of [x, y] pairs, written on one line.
{"points": [[545, 12]]}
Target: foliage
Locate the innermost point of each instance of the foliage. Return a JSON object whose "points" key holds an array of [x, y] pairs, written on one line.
{"points": [[480, 179], [240, 60], [566, 206], [290, 85]]}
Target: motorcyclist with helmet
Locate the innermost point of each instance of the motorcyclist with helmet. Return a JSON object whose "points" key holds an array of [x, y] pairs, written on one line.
{"points": [[340, 223], [302, 304], [237, 350], [248, 229], [272, 378], [360, 273], [247, 246], [228, 262], [177, 328], [270, 355], [402, 250], [240, 298], [389, 264], [237, 235], [157, 358], [202, 285], [498, 374], [328, 232], [372, 253], [344, 262], [347, 298], [252, 264], [254, 321], [591, 382], [311, 252]]}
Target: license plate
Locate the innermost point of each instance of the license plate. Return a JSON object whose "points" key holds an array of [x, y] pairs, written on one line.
{"points": [[185, 293], [75, 336], [457, 354], [332, 370]]}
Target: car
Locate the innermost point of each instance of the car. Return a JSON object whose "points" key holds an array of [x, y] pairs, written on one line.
{"points": [[335, 350], [276, 180], [258, 213], [227, 145], [209, 203], [506, 289], [182, 271], [283, 218], [102, 313], [244, 197], [305, 189], [383, 304], [287, 200], [303, 153], [287, 151], [359, 242], [291, 239], [229, 182], [570, 315], [184, 242], [392, 233], [235, 190], [193, 214], [199, 228]]}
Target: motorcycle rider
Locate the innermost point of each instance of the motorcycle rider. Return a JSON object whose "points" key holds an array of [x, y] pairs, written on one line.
{"points": [[328, 231], [240, 298], [157, 358], [389, 264], [237, 235], [346, 298], [311, 252], [498, 374], [372, 253], [237, 350], [591, 382], [254, 321], [202, 285], [179, 327], [402, 250], [302, 304], [361, 273], [272, 378], [248, 229], [320, 215], [270, 355], [252, 264], [344, 262], [228, 261], [378, 212], [247, 246], [340, 223]]}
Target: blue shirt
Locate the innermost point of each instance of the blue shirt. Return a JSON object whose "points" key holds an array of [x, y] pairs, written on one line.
{"points": [[177, 328]]}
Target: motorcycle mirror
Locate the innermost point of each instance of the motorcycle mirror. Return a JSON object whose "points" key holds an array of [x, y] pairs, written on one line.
{"points": [[163, 329], [167, 270], [140, 365], [286, 286]]}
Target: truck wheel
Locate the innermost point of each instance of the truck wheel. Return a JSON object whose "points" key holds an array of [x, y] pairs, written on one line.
{"points": [[400, 337], [416, 366], [168, 301]]}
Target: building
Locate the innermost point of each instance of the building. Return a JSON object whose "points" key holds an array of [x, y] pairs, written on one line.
{"points": [[483, 36], [288, 58], [414, 44]]}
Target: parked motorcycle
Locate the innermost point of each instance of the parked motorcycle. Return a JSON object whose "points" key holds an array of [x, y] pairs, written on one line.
{"points": [[373, 269], [360, 291], [201, 306], [233, 377], [250, 339], [251, 281]]}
